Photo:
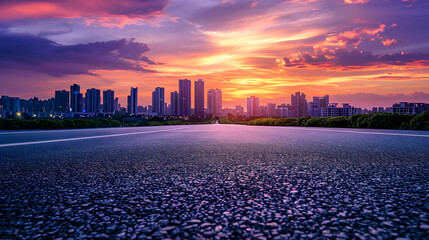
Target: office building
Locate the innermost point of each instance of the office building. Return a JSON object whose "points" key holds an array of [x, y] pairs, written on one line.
{"points": [[116, 105], [108, 101], [184, 97], [214, 102], [10, 105], [76, 101], [92, 100], [299, 105], [132, 101], [252, 106], [271, 109], [409, 108], [314, 109], [345, 111], [199, 98], [174, 102], [62, 101], [239, 110], [158, 105]]}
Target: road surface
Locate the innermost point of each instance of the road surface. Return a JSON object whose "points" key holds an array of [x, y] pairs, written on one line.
{"points": [[214, 181]]}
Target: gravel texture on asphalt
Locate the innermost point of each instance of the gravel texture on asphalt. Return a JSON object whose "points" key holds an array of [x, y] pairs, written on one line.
{"points": [[217, 182]]}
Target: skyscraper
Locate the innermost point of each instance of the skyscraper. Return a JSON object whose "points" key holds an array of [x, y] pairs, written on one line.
{"points": [[252, 106], [184, 97], [62, 101], [11, 105], [174, 102], [108, 101], [271, 109], [158, 101], [314, 109], [214, 102], [92, 98], [75, 98], [116, 105], [299, 104], [239, 110], [132, 101], [199, 98]]}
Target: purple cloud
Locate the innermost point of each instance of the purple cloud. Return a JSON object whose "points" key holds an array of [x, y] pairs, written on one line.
{"points": [[355, 59], [93, 11], [18, 52]]}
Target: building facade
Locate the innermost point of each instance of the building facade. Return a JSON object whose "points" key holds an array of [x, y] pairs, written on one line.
{"points": [[184, 97], [409, 108], [199, 98], [214, 102], [62, 101], [158, 101], [174, 103], [92, 100], [252, 106], [299, 105], [132, 102], [76, 99], [108, 101]]}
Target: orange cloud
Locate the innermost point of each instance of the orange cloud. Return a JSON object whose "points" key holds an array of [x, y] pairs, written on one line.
{"points": [[388, 42], [351, 38], [355, 1]]}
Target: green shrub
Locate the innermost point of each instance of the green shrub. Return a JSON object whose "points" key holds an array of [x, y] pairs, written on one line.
{"points": [[338, 122], [420, 122]]}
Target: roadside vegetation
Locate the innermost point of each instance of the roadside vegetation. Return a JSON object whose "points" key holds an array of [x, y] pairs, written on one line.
{"points": [[116, 121], [372, 120]]}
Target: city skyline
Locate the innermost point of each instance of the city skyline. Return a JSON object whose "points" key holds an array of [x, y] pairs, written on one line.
{"points": [[94, 102], [346, 49], [73, 104]]}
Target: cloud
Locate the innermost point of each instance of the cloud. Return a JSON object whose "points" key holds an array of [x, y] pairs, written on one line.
{"points": [[345, 59], [341, 51], [389, 42], [355, 1], [57, 32], [352, 38], [28, 52], [102, 12]]}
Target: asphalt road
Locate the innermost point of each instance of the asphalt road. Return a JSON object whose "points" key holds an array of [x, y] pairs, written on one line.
{"points": [[214, 181]]}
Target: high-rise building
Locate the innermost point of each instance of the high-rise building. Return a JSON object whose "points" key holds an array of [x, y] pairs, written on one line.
{"points": [[132, 101], [284, 111], [75, 98], [214, 102], [184, 97], [333, 111], [239, 110], [10, 105], [92, 98], [271, 109], [158, 106], [299, 104], [174, 102], [116, 105], [108, 101], [252, 106], [409, 108], [62, 101], [199, 98]]}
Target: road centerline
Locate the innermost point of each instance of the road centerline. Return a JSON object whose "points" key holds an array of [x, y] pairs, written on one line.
{"points": [[374, 133], [84, 138]]}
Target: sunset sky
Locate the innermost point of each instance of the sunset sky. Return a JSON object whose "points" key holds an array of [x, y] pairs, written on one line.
{"points": [[364, 52]]}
